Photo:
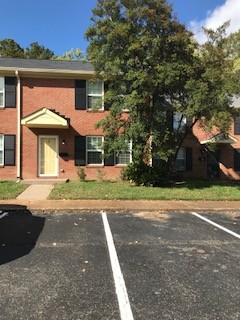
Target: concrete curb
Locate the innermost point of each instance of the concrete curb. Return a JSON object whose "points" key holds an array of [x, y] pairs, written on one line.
{"points": [[118, 205]]}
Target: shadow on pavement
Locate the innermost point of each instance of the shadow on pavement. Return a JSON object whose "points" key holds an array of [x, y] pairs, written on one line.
{"points": [[19, 231]]}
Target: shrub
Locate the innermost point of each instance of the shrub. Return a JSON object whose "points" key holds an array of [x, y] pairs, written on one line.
{"points": [[81, 174], [142, 174]]}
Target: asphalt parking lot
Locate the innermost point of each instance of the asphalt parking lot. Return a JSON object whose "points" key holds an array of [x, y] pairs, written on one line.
{"points": [[160, 265]]}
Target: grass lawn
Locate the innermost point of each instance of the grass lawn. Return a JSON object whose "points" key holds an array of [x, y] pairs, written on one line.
{"points": [[10, 189], [186, 190]]}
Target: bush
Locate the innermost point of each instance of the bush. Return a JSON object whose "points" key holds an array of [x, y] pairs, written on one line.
{"points": [[142, 174], [81, 174]]}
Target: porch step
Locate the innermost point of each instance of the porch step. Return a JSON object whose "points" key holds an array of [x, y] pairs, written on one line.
{"points": [[44, 181]]}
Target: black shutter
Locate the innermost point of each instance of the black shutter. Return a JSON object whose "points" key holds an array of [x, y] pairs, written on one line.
{"points": [[170, 120], [80, 151], [80, 94], [188, 159], [236, 160], [10, 92], [237, 125], [106, 104], [9, 150], [109, 161]]}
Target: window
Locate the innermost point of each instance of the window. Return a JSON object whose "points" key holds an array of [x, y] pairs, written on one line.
{"points": [[1, 149], [124, 157], [2, 92], [94, 150], [180, 162], [95, 95], [176, 120]]}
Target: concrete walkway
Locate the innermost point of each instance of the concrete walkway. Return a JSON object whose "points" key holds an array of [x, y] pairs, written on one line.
{"points": [[36, 192]]}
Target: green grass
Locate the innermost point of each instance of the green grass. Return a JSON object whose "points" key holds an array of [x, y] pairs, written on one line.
{"points": [[10, 189], [186, 190]]}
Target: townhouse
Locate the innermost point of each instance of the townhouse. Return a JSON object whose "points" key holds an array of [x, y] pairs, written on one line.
{"points": [[47, 127]]}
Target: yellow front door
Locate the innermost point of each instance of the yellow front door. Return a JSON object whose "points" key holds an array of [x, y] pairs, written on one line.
{"points": [[48, 155]]}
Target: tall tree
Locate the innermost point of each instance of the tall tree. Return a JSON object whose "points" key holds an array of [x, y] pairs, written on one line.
{"points": [[36, 51], [72, 55], [153, 68], [10, 48]]}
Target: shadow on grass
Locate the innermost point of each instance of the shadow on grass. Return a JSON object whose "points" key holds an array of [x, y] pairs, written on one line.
{"points": [[19, 231]]}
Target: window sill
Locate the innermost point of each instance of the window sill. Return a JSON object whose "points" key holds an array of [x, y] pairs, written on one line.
{"points": [[120, 165], [97, 110], [95, 165]]}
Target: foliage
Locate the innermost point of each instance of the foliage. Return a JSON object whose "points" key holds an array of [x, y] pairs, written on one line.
{"points": [[36, 51], [72, 55], [10, 48], [143, 175], [153, 68], [81, 174], [101, 176]]}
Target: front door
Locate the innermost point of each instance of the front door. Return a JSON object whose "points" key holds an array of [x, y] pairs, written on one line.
{"points": [[48, 156]]}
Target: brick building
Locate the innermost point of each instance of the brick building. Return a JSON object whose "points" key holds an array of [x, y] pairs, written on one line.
{"points": [[47, 127]]}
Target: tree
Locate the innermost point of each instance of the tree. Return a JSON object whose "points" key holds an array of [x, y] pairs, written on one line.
{"points": [[36, 51], [152, 67], [72, 55], [10, 48]]}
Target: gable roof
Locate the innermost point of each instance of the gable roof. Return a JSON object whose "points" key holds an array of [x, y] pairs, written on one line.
{"points": [[32, 66], [45, 118], [220, 138]]}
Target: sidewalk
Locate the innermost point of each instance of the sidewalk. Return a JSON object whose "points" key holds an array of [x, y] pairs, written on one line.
{"points": [[119, 205]]}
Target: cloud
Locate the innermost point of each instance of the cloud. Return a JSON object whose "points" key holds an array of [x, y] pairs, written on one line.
{"points": [[230, 10]]}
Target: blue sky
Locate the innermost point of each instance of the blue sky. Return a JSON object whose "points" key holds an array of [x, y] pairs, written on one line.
{"points": [[61, 24]]}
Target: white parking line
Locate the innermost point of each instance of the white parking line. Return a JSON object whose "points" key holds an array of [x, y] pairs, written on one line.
{"points": [[3, 214], [216, 225], [121, 291]]}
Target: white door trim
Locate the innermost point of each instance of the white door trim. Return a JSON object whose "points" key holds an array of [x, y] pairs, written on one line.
{"points": [[39, 156]]}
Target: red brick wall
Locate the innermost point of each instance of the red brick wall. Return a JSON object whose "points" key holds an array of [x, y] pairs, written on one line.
{"points": [[58, 95], [8, 125]]}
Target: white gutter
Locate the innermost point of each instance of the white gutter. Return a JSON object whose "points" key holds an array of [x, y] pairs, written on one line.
{"points": [[18, 125]]}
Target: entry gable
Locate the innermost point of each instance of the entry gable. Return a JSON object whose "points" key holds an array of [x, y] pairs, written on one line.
{"points": [[45, 118], [220, 138]]}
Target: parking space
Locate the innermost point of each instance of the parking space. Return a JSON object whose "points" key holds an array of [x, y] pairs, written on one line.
{"points": [[174, 266]]}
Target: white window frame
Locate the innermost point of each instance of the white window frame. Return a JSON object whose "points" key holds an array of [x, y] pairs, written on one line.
{"points": [[2, 164], [179, 157], [124, 164], [94, 150], [3, 92], [95, 95]]}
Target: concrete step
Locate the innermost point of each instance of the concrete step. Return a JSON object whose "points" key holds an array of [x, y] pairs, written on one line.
{"points": [[43, 181]]}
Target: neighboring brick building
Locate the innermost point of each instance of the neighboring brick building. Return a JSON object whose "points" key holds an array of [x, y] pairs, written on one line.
{"points": [[47, 127]]}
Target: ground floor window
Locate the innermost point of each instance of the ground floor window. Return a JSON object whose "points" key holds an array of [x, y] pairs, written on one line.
{"points": [[124, 157], [94, 150], [180, 162]]}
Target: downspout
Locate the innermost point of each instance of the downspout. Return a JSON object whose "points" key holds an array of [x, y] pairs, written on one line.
{"points": [[18, 125]]}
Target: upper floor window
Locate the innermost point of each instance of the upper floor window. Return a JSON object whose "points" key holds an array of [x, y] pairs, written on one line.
{"points": [[94, 150], [1, 149], [95, 92], [179, 121], [2, 92]]}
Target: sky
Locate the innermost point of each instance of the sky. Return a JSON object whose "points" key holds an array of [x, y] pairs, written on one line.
{"points": [[60, 25]]}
